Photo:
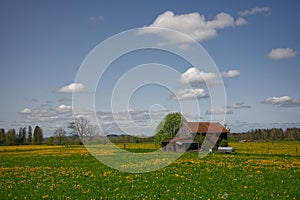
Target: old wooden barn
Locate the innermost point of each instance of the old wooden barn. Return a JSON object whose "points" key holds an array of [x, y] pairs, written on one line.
{"points": [[185, 138]]}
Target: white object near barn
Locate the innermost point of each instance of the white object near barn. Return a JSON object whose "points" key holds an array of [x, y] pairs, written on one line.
{"points": [[226, 149]]}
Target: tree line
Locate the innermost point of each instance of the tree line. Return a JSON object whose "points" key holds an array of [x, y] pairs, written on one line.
{"points": [[273, 134], [129, 139], [23, 137], [80, 128]]}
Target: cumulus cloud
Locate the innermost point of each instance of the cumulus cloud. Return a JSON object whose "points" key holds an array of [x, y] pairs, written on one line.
{"points": [[239, 105], [241, 21], [25, 111], [64, 108], [73, 87], [231, 73], [282, 53], [221, 111], [282, 101], [193, 75], [256, 10], [188, 94], [192, 24], [199, 80]]}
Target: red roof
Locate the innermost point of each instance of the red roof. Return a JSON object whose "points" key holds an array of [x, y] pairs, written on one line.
{"points": [[206, 127]]}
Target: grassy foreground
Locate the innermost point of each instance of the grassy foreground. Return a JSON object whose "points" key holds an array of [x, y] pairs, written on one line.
{"points": [[257, 171]]}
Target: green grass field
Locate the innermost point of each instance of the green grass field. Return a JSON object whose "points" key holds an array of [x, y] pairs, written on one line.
{"points": [[256, 171]]}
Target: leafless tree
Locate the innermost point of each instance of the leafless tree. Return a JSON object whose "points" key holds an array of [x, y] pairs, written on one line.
{"points": [[60, 135], [81, 127]]}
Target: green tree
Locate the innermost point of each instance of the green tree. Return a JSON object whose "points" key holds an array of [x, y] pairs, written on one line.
{"points": [[50, 140], [37, 135], [21, 137], [168, 127], [29, 138], [11, 137], [200, 139], [223, 143], [2, 137]]}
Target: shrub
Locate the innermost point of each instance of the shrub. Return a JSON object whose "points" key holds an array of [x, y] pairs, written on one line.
{"points": [[223, 143]]}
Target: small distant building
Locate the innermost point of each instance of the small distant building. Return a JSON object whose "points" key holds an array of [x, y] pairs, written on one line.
{"points": [[184, 140]]}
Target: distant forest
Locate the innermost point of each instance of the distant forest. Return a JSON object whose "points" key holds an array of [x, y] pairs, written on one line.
{"points": [[27, 136], [274, 134]]}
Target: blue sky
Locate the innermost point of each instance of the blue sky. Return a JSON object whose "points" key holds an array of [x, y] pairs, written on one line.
{"points": [[255, 44]]}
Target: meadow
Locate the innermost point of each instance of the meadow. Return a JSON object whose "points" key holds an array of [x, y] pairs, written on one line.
{"points": [[256, 171]]}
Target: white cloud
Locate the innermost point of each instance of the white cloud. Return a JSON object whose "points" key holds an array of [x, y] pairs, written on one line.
{"points": [[40, 114], [283, 101], [188, 94], [46, 116], [231, 73], [256, 10], [97, 19], [193, 75], [282, 53], [133, 122], [278, 100], [25, 111], [73, 87], [241, 21], [239, 105], [221, 111], [193, 24], [64, 108]]}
